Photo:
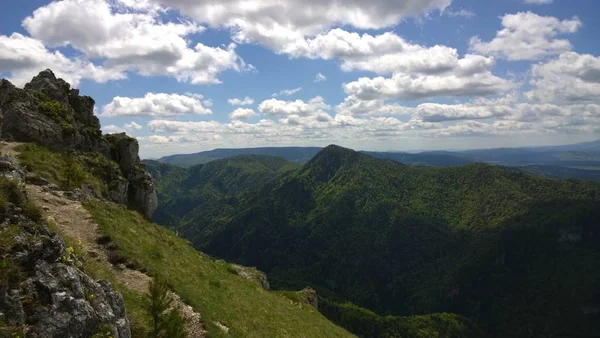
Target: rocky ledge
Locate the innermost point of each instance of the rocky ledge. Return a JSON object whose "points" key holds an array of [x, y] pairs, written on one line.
{"points": [[44, 292], [49, 112]]}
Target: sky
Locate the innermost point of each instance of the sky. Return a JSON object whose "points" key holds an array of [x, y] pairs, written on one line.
{"points": [[184, 76]]}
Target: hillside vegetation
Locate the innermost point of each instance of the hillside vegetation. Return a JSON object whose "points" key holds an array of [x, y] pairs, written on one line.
{"points": [[209, 286], [514, 252], [230, 304]]}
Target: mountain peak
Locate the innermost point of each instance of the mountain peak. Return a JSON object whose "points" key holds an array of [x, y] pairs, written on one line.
{"points": [[329, 160]]}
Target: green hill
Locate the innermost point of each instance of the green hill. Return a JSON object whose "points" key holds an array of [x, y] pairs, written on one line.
{"points": [[514, 252], [224, 296], [201, 190]]}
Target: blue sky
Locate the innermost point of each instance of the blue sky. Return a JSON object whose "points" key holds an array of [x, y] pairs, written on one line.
{"points": [[409, 74]]}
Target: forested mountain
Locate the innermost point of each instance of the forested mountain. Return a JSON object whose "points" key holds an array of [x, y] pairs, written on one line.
{"points": [[293, 154], [562, 172], [516, 253], [575, 161], [211, 189]]}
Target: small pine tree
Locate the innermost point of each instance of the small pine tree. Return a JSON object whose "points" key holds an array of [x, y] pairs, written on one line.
{"points": [[167, 320], [74, 176]]}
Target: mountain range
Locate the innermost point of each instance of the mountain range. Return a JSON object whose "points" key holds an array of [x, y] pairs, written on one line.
{"points": [[577, 161], [514, 252]]}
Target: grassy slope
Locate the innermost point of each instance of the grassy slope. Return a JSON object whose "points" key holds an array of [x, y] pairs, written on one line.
{"points": [[208, 285], [205, 284]]}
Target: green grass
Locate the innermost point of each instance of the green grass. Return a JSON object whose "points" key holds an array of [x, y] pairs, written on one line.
{"points": [[208, 285], [134, 301], [57, 168]]}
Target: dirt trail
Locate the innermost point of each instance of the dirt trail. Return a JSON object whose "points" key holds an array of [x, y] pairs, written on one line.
{"points": [[74, 221]]}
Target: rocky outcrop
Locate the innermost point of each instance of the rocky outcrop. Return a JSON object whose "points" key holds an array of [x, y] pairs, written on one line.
{"points": [[312, 298], [251, 274], [140, 192], [44, 292], [49, 112]]}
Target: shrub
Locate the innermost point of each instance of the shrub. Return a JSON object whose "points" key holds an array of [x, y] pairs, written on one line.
{"points": [[167, 320]]}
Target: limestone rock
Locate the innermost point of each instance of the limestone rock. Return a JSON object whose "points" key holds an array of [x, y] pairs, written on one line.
{"points": [[49, 112], [124, 150], [117, 190], [141, 193], [43, 286], [47, 83], [311, 297], [253, 275]]}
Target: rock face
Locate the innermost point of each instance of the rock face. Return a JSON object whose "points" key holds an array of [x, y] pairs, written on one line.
{"points": [[47, 111], [43, 290], [140, 192]]}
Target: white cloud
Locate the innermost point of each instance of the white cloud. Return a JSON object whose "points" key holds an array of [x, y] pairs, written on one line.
{"points": [[132, 40], [464, 13], [277, 23], [402, 86], [287, 92], [295, 124], [355, 106], [246, 101], [384, 54], [528, 36], [112, 129], [155, 104], [538, 2], [242, 114], [276, 107], [435, 112], [132, 126], [570, 77], [320, 78], [24, 57]]}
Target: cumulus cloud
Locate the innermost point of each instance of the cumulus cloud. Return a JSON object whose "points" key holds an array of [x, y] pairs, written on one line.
{"points": [[384, 53], [23, 58], [276, 107], [355, 106], [570, 77], [132, 126], [435, 112], [496, 117], [277, 23], [320, 78], [287, 92], [528, 36], [155, 104], [246, 101], [112, 129], [242, 114], [403, 86], [136, 41]]}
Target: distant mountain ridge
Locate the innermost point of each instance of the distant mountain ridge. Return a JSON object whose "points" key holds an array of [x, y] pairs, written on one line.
{"points": [[581, 158]]}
